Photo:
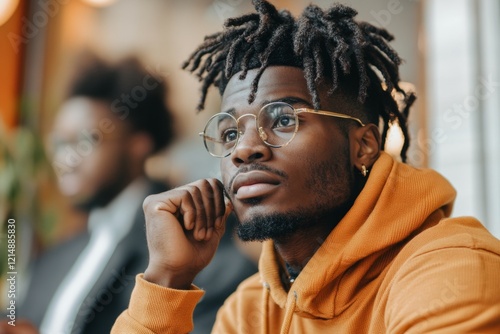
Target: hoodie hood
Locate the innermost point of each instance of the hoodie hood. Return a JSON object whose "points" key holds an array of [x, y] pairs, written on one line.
{"points": [[397, 202]]}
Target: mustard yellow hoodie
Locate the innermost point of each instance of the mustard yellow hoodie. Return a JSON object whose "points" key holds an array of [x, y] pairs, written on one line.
{"points": [[394, 264]]}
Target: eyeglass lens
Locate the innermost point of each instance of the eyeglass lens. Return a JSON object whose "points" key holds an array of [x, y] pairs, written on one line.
{"points": [[276, 125]]}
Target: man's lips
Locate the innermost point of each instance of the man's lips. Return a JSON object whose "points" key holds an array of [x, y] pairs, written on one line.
{"points": [[255, 183]]}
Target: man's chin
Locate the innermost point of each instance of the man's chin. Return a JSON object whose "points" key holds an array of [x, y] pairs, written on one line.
{"points": [[272, 226], [72, 185], [81, 203], [86, 203]]}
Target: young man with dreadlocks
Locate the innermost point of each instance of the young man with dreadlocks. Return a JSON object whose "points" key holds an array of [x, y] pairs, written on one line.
{"points": [[354, 241]]}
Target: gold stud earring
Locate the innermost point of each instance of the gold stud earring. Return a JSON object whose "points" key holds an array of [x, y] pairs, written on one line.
{"points": [[364, 170]]}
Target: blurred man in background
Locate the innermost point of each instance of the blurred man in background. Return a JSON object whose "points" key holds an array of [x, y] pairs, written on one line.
{"points": [[113, 119], [99, 148]]}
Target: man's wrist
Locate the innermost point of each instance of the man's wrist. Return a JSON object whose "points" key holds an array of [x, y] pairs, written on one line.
{"points": [[168, 280]]}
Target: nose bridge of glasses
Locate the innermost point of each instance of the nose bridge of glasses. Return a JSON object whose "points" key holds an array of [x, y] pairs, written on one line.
{"points": [[260, 131], [242, 116]]}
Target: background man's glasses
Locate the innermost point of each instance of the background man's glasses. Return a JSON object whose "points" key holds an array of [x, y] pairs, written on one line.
{"points": [[276, 123]]}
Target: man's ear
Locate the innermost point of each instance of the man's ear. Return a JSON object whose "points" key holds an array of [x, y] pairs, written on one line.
{"points": [[365, 145]]}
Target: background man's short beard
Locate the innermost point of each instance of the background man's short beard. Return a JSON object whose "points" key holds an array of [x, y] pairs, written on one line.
{"points": [[102, 198]]}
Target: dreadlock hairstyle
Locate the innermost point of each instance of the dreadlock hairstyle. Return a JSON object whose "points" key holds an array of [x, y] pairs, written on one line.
{"points": [[330, 46]]}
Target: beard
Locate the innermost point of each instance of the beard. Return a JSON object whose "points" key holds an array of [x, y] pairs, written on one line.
{"points": [[106, 192], [276, 226], [334, 190], [102, 197]]}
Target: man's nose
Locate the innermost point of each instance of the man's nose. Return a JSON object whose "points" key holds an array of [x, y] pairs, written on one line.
{"points": [[250, 145]]}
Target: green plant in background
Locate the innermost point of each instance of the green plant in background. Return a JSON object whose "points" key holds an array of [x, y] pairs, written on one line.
{"points": [[22, 163]]}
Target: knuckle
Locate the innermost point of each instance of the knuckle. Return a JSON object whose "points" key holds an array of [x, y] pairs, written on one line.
{"points": [[214, 183], [209, 188], [193, 189], [205, 182], [148, 201]]}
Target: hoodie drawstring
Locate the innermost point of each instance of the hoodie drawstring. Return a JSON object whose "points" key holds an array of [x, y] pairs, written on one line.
{"points": [[290, 309], [265, 308]]}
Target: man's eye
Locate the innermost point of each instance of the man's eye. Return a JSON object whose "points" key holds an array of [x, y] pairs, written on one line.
{"points": [[284, 121], [229, 135]]}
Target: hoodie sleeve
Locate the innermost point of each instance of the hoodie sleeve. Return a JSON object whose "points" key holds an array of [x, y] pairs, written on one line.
{"points": [[447, 290], [156, 309]]}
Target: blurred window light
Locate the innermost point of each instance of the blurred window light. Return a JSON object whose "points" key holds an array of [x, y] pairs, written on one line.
{"points": [[99, 3], [394, 140], [7, 8]]}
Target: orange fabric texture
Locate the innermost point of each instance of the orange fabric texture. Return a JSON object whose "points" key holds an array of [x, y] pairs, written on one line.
{"points": [[395, 264]]}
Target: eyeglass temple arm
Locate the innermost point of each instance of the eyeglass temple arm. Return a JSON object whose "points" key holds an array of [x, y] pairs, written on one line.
{"points": [[328, 113]]}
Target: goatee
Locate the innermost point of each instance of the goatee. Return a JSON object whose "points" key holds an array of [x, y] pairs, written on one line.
{"points": [[274, 226]]}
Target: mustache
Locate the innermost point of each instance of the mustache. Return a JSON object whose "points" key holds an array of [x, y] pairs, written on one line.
{"points": [[254, 166]]}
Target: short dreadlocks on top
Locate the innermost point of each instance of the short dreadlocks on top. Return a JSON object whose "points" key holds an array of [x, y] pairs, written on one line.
{"points": [[330, 46]]}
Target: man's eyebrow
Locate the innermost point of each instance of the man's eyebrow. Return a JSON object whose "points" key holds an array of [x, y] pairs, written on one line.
{"points": [[230, 111], [288, 99]]}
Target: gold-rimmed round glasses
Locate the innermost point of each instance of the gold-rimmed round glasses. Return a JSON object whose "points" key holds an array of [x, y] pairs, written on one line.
{"points": [[276, 123]]}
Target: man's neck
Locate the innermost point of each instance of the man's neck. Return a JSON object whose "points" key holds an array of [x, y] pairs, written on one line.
{"points": [[122, 207], [300, 247], [296, 250]]}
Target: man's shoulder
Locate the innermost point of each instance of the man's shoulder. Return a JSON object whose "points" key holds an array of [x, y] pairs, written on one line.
{"points": [[460, 232], [452, 245], [446, 274]]}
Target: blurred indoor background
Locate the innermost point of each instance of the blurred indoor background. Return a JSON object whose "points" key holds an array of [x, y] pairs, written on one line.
{"points": [[451, 50]]}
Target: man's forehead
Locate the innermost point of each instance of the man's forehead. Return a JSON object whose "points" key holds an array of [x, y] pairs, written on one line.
{"points": [[78, 113], [275, 82]]}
